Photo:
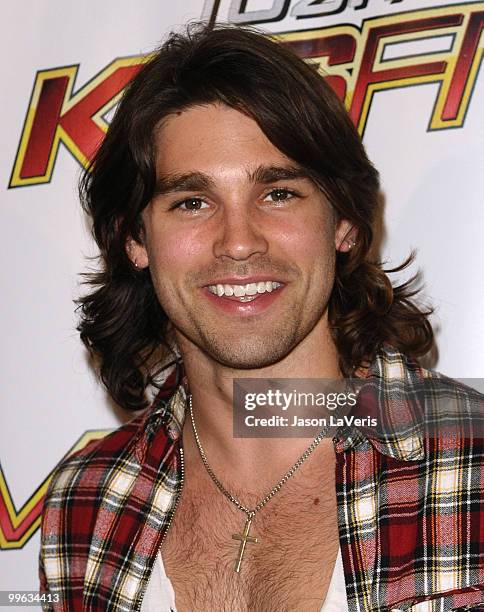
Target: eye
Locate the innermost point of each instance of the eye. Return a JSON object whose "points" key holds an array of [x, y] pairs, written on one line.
{"points": [[279, 195], [190, 204]]}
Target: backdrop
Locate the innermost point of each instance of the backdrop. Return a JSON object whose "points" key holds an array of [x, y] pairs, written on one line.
{"points": [[408, 71]]}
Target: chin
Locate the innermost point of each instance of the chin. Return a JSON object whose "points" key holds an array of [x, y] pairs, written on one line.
{"points": [[249, 357]]}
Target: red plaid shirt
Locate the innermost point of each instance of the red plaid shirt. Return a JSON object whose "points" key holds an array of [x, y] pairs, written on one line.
{"points": [[411, 522]]}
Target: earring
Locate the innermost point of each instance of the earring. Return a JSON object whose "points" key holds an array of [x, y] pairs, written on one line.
{"points": [[351, 244]]}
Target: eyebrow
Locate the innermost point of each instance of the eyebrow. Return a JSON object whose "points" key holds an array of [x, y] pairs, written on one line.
{"points": [[199, 181], [269, 174]]}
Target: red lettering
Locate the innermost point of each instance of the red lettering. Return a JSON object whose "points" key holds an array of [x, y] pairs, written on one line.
{"points": [[367, 77], [58, 116], [339, 49], [463, 67]]}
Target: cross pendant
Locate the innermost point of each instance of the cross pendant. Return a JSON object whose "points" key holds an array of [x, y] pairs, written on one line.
{"points": [[244, 538]]}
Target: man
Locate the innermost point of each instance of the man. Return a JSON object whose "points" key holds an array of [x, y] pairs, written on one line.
{"points": [[233, 203]]}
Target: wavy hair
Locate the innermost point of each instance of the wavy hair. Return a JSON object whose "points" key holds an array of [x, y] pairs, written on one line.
{"points": [[121, 320]]}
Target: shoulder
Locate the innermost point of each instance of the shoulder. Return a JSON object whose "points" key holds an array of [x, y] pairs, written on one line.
{"points": [[89, 490], [419, 411], [393, 368], [92, 470], [95, 455]]}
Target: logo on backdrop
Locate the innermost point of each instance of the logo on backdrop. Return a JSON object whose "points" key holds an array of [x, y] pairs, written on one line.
{"points": [[236, 10], [384, 53]]}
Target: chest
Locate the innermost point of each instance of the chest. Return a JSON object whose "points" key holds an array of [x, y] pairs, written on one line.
{"points": [[290, 566]]}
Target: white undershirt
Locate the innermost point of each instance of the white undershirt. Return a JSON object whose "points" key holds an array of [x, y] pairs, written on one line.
{"points": [[160, 596]]}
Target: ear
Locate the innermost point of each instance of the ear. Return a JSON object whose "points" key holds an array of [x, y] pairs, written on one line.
{"points": [[345, 236], [137, 253]]}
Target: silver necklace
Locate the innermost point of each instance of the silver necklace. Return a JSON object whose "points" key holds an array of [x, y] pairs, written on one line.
{"points": [[245, 537]]}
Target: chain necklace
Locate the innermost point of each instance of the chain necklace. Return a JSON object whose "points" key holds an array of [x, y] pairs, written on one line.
{"points": [[245, 537]]}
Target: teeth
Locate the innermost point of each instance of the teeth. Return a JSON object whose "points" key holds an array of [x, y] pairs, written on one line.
{"points": [[244, 291]]}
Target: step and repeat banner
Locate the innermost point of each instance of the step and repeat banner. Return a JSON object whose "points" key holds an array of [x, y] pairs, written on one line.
{"points": [[409, 74]]}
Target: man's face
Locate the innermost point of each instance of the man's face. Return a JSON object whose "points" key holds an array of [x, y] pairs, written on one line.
{"points": [[233, 215]]}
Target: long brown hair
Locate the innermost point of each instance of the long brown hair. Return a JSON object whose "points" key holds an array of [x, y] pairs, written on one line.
{"points": [[122, 322]]}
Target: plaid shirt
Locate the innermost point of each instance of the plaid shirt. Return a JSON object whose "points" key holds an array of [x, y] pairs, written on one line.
{"points": [[409, 506]]}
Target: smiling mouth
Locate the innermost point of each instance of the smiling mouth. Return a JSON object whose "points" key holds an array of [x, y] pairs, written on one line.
{"points": [[244, 293]]}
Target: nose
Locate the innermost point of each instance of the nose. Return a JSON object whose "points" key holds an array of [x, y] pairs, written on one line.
{"points": [[239, 236]]}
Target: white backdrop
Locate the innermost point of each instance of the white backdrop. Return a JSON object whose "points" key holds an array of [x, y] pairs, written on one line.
{"points": [[431, 166]]}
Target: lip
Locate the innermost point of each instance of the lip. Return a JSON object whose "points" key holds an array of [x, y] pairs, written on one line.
{"points": [[243, 309]]}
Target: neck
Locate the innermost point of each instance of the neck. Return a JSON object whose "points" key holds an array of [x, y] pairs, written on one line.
{"points": [[211, 386]]}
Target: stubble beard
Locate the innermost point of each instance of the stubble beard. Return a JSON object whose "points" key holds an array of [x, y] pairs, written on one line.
{"points": [[252, 348], [251, 342]]}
